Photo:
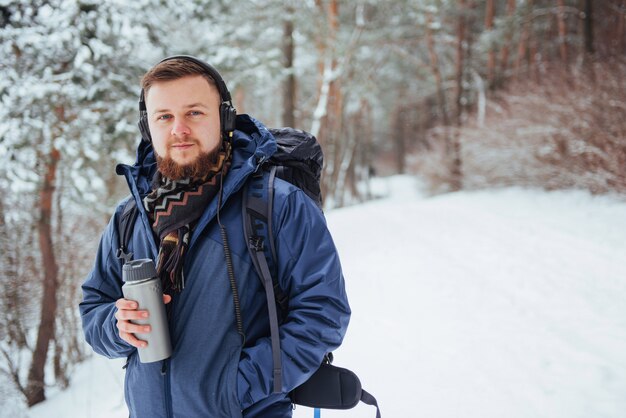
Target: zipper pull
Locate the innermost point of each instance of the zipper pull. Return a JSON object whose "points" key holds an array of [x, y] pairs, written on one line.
{"points": [[259, 163]]}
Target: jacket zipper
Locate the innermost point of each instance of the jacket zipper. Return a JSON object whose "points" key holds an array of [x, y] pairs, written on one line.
{"points": [[166, 366]]}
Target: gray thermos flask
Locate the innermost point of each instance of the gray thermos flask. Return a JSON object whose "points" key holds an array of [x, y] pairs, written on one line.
{"points": [[142, 285]]}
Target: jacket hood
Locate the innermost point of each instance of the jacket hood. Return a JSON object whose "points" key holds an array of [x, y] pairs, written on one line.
{"points": [[252, 145]]}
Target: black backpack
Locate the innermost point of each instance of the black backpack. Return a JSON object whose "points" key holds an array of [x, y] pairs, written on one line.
{"points": [[298, 160]]}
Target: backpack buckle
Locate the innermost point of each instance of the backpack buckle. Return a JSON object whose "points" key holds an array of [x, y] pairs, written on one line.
{"points": [[256, 243], [328, 358]]}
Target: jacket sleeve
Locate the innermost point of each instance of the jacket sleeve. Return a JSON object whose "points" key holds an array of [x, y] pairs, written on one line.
{"points": [[102, 287], [318, 314]]}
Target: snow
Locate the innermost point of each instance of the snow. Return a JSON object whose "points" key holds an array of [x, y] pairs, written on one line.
{"points": [[500, 303]]}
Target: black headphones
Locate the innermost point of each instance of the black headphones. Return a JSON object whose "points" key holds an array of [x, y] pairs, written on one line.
{"points": [[227, 111]]}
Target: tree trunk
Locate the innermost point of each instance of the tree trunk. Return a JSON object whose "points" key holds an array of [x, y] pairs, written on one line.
{"points": [[324, 71], [491, 54], [450, 145], [35, 391], [460, 63], [289, 93], [562, 31], [588, 21], [324, 75], [366, 151], [454, 146], [60, 366], [587, 47], [359, 169], [504, 60], [399, 134], [434, 66], [532, 58], [327, 118], [523, 47], [335, 106], [621, 33], [343, 168]]}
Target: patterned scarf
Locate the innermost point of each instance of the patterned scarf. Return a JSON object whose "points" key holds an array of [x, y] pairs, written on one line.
{"points": [[174, 207]]}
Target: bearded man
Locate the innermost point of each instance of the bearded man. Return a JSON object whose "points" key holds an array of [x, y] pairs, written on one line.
{"points": [[192, 164]]}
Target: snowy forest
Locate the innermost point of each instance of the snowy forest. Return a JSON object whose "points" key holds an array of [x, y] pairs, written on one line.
{"points": [[466, 95]]}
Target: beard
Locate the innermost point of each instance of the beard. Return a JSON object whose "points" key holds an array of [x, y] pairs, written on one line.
{"points": [[196, 169]]}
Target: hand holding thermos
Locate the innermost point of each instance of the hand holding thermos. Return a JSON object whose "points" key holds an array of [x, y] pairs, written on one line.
{"points": [[141, 317]]}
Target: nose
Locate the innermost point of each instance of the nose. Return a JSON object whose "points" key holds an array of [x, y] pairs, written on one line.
{"points": [[180, 129]]}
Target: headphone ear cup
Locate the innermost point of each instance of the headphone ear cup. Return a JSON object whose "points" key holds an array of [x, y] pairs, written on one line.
{"points": [[144, 128], [228, 115]]}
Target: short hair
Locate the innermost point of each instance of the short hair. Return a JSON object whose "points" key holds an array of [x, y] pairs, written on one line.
{"points": [[173, 70]]}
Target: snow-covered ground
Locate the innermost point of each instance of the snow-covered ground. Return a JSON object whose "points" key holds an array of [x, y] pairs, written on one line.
{"points": [[506, 303]]}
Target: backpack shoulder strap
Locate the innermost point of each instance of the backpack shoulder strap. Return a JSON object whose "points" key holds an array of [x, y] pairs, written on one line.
{"points": [[257, 209], [258, 204], [125, 228]]}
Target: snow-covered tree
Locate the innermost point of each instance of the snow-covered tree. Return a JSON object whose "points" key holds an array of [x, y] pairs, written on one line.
{"points": [[68, 110]]}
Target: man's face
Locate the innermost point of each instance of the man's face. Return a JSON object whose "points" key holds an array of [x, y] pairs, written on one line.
{"points": [[184, 121]]}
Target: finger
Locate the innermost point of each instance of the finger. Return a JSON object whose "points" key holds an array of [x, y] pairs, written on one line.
{"points": [[132, 340], [126, 304], [133, 328], [167, 299], [124, 314]]}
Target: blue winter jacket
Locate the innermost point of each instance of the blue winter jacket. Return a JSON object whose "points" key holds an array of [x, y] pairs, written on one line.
{"points": [[212, 372]]}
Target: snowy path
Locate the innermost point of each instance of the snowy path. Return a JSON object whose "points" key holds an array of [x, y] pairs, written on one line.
{"points": [[488, 304], [506, 303]]}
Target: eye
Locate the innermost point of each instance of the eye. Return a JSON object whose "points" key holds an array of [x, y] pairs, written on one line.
{"points": [[195, 113], [164, 117]]}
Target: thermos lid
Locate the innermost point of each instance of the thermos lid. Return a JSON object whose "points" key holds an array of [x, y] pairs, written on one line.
{"points": [[138, 270]]}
